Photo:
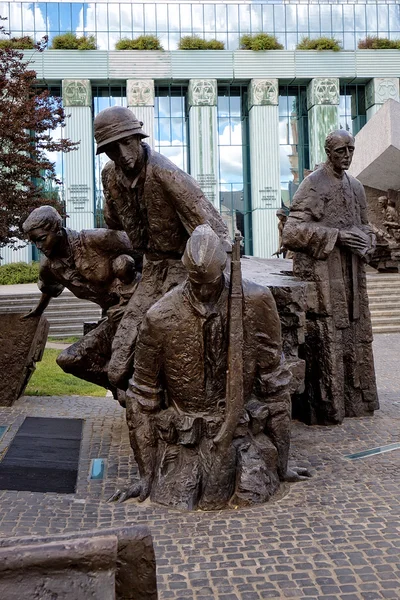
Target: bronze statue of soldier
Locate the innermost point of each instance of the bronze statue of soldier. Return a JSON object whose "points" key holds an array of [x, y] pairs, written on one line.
{"points": [[208, 406], [158, 205], [328, 231], [91, 264]]}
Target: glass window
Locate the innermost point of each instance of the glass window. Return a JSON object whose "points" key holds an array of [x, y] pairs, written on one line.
{"points": [[244, 18], [197, 18], [138, 17], [103, 97], [114, 23], [268, 18], [360, 17], [162, 17], [302, 19], [209, 17], [313, 12], [352, 113], [383, 19], [372, 17], [232, 123], [279, 18], [126, 17], [171, 124], [293, 139], [256, 17], [186, 18], [233, 17], [220, 18], [150, 17], [337, 18], [174, 21]]}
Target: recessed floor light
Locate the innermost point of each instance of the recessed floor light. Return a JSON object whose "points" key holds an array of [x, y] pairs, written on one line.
{"points": [[373, 451]]}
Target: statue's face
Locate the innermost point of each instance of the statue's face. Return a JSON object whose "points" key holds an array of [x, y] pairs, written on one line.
{"points": [[124, 152], [206, 286], [46, 241], [340, 152]]}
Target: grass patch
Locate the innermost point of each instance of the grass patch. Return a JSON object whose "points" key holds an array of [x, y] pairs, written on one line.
{"points": [[50, 380], [65, 340]]}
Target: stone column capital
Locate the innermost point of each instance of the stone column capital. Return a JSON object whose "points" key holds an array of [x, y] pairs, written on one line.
{"points": [[203, 92], [140, 92], [380, 89], [323, 91], [263, 92], [76, 92]]}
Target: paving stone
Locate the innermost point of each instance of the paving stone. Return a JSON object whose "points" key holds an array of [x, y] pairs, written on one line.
{"points": [[333, 537]]}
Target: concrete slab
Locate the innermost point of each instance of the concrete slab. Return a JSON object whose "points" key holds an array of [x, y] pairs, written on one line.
{"points": [[377, 154]]}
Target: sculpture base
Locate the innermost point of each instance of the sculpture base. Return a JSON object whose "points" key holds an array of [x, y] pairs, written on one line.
{"points": [[22, 345]]}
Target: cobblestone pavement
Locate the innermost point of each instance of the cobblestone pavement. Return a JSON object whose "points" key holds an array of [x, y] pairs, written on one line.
{"points": [[336, 536]]}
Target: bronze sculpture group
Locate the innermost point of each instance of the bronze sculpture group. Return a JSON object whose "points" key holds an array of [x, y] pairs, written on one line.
{"points": [[191, 349]]}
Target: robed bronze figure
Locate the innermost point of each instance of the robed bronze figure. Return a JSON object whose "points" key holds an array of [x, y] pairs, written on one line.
{"points": [[329, 233]]}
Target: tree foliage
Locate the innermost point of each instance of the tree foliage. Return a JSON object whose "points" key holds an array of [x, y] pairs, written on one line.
{"points": [[28, 115]]}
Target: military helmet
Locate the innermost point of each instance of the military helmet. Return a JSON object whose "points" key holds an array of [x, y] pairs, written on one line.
{"points": [[204, 256], [113, 124]]}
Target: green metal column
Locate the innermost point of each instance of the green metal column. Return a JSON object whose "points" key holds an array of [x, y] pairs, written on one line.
{"points": [[203, 136], [323, 115], [79, 165], [140, 99], [264, 164], [378, 91]]}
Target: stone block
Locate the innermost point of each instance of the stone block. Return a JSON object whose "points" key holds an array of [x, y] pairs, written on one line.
{"points": [[72, 569], [377, 154], [134, 563], [22, 345]]}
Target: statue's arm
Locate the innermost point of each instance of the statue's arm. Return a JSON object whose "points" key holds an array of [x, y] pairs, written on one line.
{"points": [[49, 287], [303, 231], [192, 206]]}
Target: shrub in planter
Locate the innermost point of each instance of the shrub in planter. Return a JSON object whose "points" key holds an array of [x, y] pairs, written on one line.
{"points": [[321, 43], [18, 43], [70, 41], [143, 42], [376, 43], [19, 273], [194, 42], [259, 41]]}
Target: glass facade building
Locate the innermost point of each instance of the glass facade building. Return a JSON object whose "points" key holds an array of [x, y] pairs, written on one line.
{"points": [[270, 111], [346, 20]]}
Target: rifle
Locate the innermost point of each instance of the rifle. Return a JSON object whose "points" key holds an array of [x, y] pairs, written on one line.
{"points": [[219, 484], [234, 374]]}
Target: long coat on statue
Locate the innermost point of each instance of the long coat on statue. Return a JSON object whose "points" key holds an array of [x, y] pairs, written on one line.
{"points": [[340, 377]]}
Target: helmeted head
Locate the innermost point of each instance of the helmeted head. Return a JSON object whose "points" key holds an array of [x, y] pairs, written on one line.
{"points": [[339, 148], [115, 123], [124, 268], [281, 214], [44, 228], [205, 260]]}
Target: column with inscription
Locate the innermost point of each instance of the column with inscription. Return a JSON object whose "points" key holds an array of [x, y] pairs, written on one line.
{"points": [[203, 135], [377, 91], [140, 97], [323, 115], [264, 165], [79, 175]]}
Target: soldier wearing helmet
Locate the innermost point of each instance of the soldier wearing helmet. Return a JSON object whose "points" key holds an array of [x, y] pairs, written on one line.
{"points": [[177, 394], [158, 205]]}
